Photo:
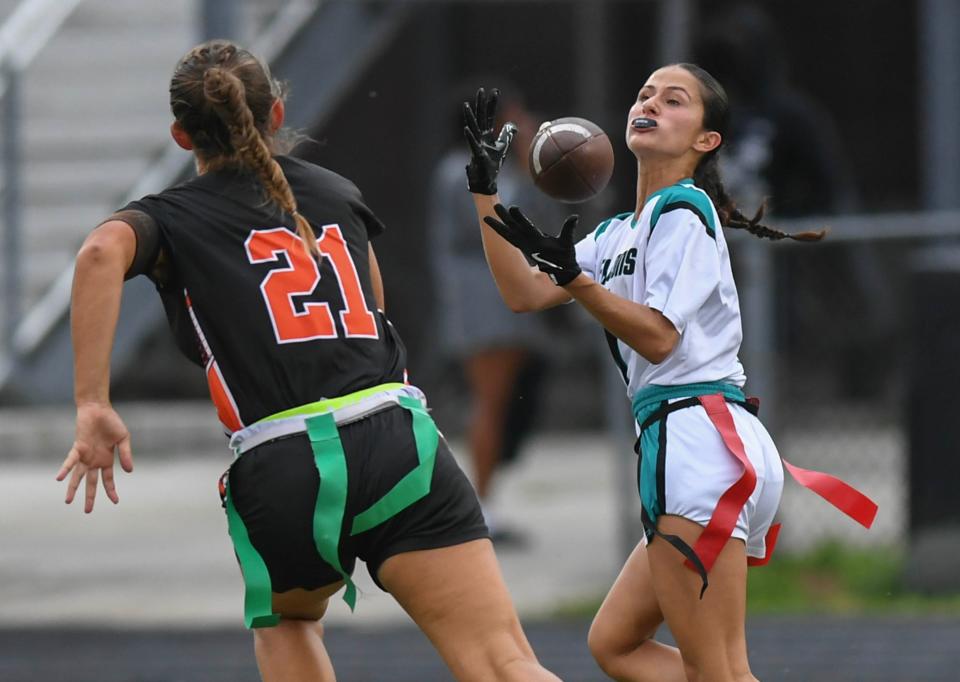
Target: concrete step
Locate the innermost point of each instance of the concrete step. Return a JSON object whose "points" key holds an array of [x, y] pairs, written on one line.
{"points": [[141, 135], [162, 429], [6, 8], [69, 54], [62, 94], [95, 113], [47, 227], [56, 98], [54, 183], [141, 16], [51, 237], [39, 271]]}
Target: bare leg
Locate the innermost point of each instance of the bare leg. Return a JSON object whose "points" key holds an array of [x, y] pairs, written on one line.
{"points": [[458, 598], [491, 374], [710, 631], [294, 650], [621, 636]]}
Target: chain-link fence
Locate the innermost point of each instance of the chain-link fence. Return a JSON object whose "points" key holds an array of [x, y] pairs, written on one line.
{"points": [[853, 335]]}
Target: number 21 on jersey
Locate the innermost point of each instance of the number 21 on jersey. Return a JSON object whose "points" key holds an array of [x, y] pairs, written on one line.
{"points": [[301, 277]]}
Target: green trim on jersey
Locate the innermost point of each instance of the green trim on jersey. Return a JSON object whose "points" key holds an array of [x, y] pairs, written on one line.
{"points": [[685, 195], [602, 227]]}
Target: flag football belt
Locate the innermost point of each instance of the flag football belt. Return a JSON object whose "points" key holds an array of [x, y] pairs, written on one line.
{"points": [[320, 421], [651, 405]]}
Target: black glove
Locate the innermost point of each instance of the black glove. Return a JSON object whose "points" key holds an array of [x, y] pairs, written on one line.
{"points": [[556, 256], [487, 149]]}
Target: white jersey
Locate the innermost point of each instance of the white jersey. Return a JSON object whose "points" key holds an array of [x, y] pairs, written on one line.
{"points": [[673, 258]]}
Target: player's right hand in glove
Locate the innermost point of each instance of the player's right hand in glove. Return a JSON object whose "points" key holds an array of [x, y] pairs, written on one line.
{"points": [[555, 256], [487, 149]]}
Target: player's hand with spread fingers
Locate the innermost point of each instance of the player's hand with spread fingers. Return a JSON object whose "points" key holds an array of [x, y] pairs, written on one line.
{"points": [[100, 436], [487, 148], [555, 256]]}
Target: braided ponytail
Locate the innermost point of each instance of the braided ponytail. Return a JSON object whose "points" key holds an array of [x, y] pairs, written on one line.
{"points": [[222, 96], [707, 178], [716, 114]]}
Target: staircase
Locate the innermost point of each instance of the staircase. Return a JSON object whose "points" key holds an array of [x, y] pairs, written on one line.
{"points": [[7, 7], [95, 113], [95, 128]]}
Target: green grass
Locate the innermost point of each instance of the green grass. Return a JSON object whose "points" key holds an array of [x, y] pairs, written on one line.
{"points": [[842, 580], [830, 579]]}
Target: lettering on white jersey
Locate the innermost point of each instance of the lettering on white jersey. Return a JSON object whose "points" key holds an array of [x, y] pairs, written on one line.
{"points": [[624, 264]]}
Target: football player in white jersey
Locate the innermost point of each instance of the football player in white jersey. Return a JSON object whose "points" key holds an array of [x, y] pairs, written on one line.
{"points": [[658, 279]]}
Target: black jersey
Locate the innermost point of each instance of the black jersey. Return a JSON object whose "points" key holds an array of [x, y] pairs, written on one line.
{"points": [[272, 326]]}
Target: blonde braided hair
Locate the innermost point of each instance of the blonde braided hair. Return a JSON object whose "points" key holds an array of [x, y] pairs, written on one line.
{"points": [[222, 96]]}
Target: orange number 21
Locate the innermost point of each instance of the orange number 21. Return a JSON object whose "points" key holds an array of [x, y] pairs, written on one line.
{"points": [[300, 277]]}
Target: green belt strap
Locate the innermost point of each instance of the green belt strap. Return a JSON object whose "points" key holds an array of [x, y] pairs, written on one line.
{"points": [[415, 484], [332, 494], [258, 595], [328, 514]]}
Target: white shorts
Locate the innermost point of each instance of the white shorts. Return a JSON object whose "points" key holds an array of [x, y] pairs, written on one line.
{"points": [[685, 468]]}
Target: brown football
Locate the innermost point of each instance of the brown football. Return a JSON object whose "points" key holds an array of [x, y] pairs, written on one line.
{"points": [[571, 159]]}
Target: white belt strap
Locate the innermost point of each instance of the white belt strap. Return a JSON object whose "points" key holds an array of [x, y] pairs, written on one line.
{"points": [[264, 431]]}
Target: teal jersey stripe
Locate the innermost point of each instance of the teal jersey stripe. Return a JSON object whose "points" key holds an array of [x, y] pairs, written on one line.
{"points": [[685, 196], [647, 472], [602, 227], [648, 399]]}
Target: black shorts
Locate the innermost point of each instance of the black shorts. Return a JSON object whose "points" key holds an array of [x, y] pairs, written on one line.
{"points": [[274, 489]]}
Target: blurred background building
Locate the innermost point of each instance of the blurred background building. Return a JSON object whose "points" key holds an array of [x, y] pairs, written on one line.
{"points": [[845, 116]]}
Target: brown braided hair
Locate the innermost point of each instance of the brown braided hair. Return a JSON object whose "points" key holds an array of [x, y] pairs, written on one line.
{"points": [[222, 95], [716, 116]]}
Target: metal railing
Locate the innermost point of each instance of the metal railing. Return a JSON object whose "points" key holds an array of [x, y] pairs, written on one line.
{"points": [[22, 36], [345, 37], [171, 164]]}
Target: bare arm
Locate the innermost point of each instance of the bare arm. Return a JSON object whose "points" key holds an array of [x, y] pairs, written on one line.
{"points": [[644, 329], [376, 278], [95, 306], [522, 287]]}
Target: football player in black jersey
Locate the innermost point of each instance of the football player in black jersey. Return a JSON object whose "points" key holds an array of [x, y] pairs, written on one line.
{"points": [[265, 269]]}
